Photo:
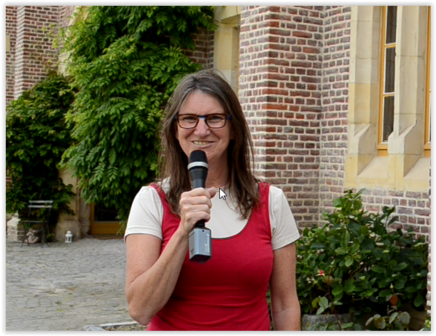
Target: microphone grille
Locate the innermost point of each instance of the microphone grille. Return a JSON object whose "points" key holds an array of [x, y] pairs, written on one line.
{"points": [[198, 156]]}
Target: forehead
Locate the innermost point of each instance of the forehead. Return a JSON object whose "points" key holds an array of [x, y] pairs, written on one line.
{"points": [[201, 103]]}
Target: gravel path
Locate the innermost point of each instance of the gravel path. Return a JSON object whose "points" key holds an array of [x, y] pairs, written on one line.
{"points": [[65, 286]]}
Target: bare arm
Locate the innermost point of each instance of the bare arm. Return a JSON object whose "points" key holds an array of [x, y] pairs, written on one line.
{"points": [[284, 300], [151, 279], [151, 276]]}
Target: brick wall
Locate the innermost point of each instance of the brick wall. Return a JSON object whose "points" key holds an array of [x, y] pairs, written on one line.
{"points": [[11, 26], [294, 75], [204, 45], [280, 78], [334, 118], [33, 45]]}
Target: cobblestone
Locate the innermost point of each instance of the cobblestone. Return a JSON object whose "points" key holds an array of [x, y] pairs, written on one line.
{"points": [[65, 286]]}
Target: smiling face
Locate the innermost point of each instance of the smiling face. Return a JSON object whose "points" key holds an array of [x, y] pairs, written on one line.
{"points": [[214, 142]]}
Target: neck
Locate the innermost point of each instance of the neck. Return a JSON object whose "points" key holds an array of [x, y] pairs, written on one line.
{"points": [[217, 177]]}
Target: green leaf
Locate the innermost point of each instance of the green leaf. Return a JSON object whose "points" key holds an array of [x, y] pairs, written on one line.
{"points": [[385, 293], [393, 317], [400, 267], [347, 325], [337, 290], [411, 289], [348, 261], [318, 246], [354, 248], [399, 284], [378, 269], [349, 286], [419, 300], [323, 302], [404, 318], [340, 251], [337, 203], [380, 323]]}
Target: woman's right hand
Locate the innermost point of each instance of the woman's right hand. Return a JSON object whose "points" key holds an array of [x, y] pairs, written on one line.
{"points": [[195, 205]]}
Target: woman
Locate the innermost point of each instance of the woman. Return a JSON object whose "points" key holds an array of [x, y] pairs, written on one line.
{"points": [[253, 229]]}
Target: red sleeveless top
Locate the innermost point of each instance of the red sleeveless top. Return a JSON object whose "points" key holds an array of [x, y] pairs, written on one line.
{"points": [[227, 292]]}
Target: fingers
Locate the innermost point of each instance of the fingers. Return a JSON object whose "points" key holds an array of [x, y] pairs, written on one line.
{"points": [[186, 199], [212, 192], [209, 192], [195, 205]]}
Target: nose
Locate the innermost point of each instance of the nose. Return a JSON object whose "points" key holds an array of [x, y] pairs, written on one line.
{"points": [[202, 129]]}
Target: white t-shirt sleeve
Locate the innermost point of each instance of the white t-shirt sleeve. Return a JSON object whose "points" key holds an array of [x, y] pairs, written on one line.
{"points": [[283, 226], [146, 214]]}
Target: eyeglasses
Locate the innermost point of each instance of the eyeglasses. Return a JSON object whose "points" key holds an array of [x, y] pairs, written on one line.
{"points": [[213, 121]]}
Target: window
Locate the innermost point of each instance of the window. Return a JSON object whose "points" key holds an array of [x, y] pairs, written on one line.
{"points": [[427, 126], [389, 104], [387, 78]]}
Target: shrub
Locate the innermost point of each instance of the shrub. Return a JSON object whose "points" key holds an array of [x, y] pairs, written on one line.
{"points": [[36, 138], [353, 264]]}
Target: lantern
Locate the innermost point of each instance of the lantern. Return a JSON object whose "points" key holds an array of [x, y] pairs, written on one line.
{"points": [[69, 237]]}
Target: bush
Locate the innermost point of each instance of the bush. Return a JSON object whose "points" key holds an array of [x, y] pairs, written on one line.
{"points": [[353, 264], [36, 138]]}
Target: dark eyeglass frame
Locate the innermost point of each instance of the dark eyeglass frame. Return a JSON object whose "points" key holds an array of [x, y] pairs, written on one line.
{"points": [[204, 117]]}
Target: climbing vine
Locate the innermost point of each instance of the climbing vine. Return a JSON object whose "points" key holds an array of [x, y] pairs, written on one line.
{"points": [[126, 61]]}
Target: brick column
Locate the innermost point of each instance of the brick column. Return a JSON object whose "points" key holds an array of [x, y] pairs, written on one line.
{"points": [[334, 124], [280, 79], [33, 51], [11, 27]]}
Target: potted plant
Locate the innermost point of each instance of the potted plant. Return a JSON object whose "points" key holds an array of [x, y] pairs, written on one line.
{"points": [[354, 265]]}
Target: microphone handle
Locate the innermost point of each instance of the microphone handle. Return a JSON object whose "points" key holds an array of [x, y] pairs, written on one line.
{"points": [[199, 183]]}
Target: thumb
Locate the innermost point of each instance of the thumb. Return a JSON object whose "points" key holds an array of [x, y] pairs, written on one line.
{"points": [[212, 191]]}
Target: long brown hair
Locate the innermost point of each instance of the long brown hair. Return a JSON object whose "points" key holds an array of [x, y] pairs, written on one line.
{"points": [[173, 161]]}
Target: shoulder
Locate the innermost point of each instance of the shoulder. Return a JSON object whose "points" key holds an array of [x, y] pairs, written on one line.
{"points": [[147, 193], [163, 185], [275, 192]]}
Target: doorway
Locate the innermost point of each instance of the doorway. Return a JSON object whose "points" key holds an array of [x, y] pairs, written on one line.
{"points": [[104, 220]]}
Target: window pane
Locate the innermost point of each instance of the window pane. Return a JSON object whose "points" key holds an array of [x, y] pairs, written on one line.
{"points": [[103, 214], [390, 70], [391, 24], [388, 117]]}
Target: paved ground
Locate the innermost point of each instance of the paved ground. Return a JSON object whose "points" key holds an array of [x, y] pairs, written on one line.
{"points": [[65, 286]]}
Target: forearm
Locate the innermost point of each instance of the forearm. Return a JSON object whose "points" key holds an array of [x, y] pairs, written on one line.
{"points": [[288, 318], [150, 291]]}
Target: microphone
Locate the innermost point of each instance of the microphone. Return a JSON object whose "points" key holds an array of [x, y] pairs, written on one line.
{"points": [[200, 246]]}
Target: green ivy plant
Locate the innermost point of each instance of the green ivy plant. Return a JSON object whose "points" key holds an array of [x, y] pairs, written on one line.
{"points": [[126, 61], [354, 264], [36, 138]]}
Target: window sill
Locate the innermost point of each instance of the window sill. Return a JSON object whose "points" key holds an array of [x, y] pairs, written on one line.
{"points": [[380, 174]]}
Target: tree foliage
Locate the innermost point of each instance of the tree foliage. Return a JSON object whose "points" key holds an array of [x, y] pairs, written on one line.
{"points": [[36, 138], [126, 62]]}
